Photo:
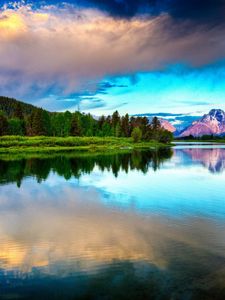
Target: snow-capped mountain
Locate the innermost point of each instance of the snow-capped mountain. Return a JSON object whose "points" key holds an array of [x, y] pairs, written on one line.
{"points": [[167, 125], [211, 123]]}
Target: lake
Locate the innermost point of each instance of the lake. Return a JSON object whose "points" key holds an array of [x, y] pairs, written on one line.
{"points": [[129, 225]]}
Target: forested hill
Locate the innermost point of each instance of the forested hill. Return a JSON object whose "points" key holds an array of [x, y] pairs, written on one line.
{"points": [[19, 118], [9, 106]]}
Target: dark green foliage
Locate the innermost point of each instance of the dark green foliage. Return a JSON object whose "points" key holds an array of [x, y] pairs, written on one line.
{"points": [[40, 123], [155, 124], [116, 123], [165, 136], [61, 123], [101, 122], [115, 119], [125, 126], [18, 113], [28, 125], [10, 107], [67, 123], [136, 134], [3, 125], [154, 131], [57, 121], [88, 125], [207, 137], [36, 124], [76, 129], [118, 130], [16, 127], [106, 129]]}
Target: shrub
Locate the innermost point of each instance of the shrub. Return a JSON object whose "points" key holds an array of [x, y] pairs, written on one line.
{"points": [[165, 136], [136, 134]]}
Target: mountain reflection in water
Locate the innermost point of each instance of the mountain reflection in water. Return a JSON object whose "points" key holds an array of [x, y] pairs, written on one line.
{"points": [[211, 158], [66, 233]]}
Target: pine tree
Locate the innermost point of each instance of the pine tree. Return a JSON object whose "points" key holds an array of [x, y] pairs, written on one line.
{"points": [[46, 123], [101, 122], [125, 126], [37, 124], [106, 129], [18, 113], [28, 125], [76, 129], [115, 122], [118, 130], [156, 125], [87, 124], [3, 125], [155, 129], [67, 123]]}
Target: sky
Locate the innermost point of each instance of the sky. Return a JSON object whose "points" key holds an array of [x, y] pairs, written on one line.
{"points": [[147, 56]]}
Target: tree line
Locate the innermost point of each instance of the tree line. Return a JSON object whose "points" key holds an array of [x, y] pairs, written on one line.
{"points": [[40, 122]]}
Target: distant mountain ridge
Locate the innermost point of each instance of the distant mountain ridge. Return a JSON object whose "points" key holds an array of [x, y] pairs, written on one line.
{"points": [[212, 123]]}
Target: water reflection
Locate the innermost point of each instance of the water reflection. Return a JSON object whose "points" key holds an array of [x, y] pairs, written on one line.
{"points": [[211, 158], [90, 248], [110, 227], [74, 165]]}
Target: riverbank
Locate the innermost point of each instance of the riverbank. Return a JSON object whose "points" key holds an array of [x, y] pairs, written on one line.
{"points": [[16, 144]]}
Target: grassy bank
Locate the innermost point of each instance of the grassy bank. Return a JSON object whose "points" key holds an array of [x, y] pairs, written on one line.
{"points": [[16, 144]]}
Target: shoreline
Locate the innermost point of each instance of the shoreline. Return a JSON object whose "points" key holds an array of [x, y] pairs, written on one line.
{"points": [[41, 144]]}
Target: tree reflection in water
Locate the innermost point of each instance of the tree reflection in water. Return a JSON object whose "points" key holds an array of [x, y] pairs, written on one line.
{"points": [[74, 165]]}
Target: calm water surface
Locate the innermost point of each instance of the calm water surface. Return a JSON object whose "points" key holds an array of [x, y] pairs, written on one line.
{"points": [[140, 225]]}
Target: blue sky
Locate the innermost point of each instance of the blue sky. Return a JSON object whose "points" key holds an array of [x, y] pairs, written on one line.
{"points": [[174, 90], [136, 57]]}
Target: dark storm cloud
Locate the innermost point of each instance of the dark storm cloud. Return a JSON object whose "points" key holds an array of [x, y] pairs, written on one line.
{"points": [[197, 10]]}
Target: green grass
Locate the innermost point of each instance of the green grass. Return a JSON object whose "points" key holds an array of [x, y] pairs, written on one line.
{"points": [[12, 156], [16, 144]]}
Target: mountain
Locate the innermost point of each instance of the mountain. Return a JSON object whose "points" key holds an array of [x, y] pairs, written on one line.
{"points": [[167, 125], [212, 123]]}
